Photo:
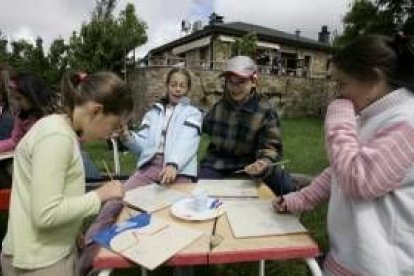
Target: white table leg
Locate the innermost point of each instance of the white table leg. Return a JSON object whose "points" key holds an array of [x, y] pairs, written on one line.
{"points": [[117, 166], [314, 267], [262, 268], [105, 272], [144, 272]]}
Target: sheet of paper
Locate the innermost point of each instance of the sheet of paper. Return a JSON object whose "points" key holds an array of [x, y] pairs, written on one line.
{"points": [[256, 217], [152, 245], [228, 187], [152, 197]]}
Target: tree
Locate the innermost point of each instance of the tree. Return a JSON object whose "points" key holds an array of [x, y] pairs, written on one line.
{"points": [[102, 44], [20, 55], [58, 60], [28, 57], [37, 62], [4, 55], [246, 45], [377, 17]]}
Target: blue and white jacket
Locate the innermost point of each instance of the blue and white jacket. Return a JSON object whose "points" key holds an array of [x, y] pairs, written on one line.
{"points": [[181, 140]]}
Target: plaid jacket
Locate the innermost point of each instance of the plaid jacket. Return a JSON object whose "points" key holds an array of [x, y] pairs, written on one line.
{"points": [[240, 135]]}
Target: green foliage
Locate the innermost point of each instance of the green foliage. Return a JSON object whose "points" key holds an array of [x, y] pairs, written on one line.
{"points": [[303, 143], [102, 44], [57, 59], [4, 55], [246, 45], [377, 17]]}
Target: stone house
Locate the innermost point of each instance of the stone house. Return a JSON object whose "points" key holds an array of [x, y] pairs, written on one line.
{"points": [[278, 52]]}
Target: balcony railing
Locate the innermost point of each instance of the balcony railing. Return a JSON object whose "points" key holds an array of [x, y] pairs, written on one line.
{"points": [[203, 64]]}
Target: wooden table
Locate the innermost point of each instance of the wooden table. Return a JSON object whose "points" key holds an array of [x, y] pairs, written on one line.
{"points": [[230, 250]]}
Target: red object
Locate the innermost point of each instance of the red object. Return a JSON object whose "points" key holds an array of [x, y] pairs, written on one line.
{"points": [[4, 199], [311, 251]]}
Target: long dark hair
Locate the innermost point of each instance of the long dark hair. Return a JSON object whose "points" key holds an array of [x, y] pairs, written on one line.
{"points": [[42, 99], [393, 56], [4, 98], [104, 88]]}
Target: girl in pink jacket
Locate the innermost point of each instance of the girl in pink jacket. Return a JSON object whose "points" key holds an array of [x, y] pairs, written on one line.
{"points": [[32, 99]]}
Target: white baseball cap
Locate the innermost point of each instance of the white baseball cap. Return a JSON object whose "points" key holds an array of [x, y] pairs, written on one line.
{"points": [[242, 66]]}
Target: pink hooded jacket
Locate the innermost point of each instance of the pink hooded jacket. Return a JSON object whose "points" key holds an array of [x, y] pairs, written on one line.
{"points": [[20, 128]]}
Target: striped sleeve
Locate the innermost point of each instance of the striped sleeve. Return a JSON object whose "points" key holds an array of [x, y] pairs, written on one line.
{"points": [[313, 195], [371, 169]]}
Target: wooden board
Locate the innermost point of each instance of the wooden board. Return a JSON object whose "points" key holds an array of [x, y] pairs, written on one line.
{"points": [[256, 217], [151, 198], [193, 254], [152, 247], [280, 247], [228, 187]]}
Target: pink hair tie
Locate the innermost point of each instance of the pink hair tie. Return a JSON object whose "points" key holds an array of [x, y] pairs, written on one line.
{"points": [[79, 77], [82, 76]]}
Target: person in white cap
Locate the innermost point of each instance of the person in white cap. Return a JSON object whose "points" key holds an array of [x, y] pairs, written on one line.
{"points": [[244, 131]]}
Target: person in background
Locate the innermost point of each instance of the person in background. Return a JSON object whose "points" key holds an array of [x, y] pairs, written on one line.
{"points": [[244, 131], [369, 134], [48, 201], [166, 143], [277, 67], [6, 117], [32, 99]]}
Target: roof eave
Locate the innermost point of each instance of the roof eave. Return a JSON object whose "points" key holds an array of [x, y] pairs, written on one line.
{"points": [[222, 29]]}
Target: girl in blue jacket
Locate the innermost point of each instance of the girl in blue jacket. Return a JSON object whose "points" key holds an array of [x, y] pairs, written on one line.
{"points": [[166, 143]]}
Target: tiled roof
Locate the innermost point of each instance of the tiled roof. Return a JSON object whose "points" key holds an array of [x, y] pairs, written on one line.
{"points": [[241, 28]]}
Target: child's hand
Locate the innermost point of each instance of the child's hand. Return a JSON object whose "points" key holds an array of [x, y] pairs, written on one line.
{"points": [[168, 175], [257, 168], [111, 190], [122, 132], [279, 205]]}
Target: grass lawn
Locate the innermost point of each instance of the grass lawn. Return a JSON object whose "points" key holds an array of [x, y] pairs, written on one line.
{"points": [[303, 146]]}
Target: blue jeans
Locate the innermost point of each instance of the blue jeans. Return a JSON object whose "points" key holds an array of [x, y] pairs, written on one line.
{"points": [[279, 181]]}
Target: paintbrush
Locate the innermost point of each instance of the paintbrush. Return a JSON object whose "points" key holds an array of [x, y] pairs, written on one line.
{"points": [[112, 179], [282, 162]]}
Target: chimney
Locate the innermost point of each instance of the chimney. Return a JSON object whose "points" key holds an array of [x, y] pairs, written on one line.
{"points": [[197, 26], [324, 35], [215, 19]]}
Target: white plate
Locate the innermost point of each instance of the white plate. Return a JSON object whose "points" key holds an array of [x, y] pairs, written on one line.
{"points": [[183, 209]]}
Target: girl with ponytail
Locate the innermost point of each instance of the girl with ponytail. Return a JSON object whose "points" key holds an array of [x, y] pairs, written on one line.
{"points": [[48, 200]]}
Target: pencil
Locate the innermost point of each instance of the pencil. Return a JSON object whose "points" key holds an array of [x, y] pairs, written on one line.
{"points": [[281, 186], [213, 234], [282, 162], [214, 226], [110, 176]]}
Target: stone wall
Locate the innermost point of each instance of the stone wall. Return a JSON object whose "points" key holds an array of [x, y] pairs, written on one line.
{"points": [[291, 96]]}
